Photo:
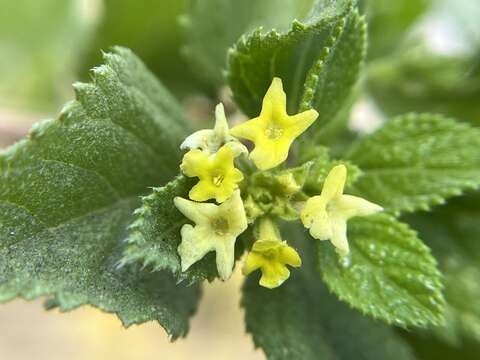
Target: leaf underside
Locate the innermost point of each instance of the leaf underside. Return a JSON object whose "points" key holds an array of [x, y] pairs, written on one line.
{"points": [[68, 192]]}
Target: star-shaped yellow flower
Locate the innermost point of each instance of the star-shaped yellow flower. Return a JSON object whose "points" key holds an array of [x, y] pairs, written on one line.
{"points": [[218, 176], [273, 131], [210, 140], [326, 215], [271, 255], [216, 229]]}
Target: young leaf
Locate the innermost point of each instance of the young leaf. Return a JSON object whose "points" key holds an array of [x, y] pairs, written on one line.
{"points": [[212, 26], [67, 194], [389, 273], [301, 320], [452, 233], [318, 61], [416, 161]]}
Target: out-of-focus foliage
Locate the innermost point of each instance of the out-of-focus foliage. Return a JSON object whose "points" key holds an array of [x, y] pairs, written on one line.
{"points": [[148, 27], [39, 46]]}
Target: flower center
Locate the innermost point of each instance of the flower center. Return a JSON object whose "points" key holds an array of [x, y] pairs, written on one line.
{"points": [[218, 179], [273, 132], [220, 226]]}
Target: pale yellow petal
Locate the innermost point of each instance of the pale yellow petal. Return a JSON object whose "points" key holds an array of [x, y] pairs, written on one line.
{"points": [[234, 211], [274, 275], [253, 262], [334, 183], [197, 212], [300, 122], [289, 255], [269, 154], [350, 206], [196, 243], [195, 163], [225, 249], [221, 125], [274, 103], [198, 140], [250, 130], [203, 191], [339, 235]]}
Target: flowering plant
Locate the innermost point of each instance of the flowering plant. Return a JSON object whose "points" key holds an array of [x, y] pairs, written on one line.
{"points": [[318, 217]]}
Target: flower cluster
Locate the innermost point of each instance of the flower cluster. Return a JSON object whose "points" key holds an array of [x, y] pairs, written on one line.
{"points": [[218, 201]]}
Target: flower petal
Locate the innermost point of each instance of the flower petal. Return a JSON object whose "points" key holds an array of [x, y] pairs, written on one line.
{"points": [[334, 183], [350, 206], [196, 243]]}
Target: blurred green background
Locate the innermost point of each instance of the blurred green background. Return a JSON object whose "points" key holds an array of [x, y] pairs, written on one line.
{"points": [[423, 56]]}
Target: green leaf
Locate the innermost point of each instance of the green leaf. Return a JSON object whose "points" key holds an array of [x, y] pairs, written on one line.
{"points": [[389, 274], [67, 194], [416, 161], [212, 26], [301, 320], [318, 61], [452, 232]]}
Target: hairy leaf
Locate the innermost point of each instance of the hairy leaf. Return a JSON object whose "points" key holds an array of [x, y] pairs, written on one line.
{"points": [[212, 26], [67, 194], [389, 273], [416, 161], [301, 320], [318, 61]]}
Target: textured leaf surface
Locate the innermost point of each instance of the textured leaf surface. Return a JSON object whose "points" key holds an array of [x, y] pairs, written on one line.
{"points": [[452, 232], [67, 194], [389, 274], [416, 161], [212, 26], [301, 320], [318, 61]]}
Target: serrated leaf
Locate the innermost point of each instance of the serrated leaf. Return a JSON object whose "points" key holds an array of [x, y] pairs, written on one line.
{"points": [[452, 233], [318, 61], [389, 274], [301, 320], [416, 161], [67, 194], [212, 26]]}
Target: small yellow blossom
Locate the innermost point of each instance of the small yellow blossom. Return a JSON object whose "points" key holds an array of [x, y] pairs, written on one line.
{"points": [[326, 215], [218, 176], [273, 131], [216, 229], [210, 140], [271, 255]]}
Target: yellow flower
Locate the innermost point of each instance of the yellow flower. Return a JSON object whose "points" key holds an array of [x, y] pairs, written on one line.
{"points": [[273, 131], [271, 255], [210, 140], [326, 215], [218, 176], [216, 229]]}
